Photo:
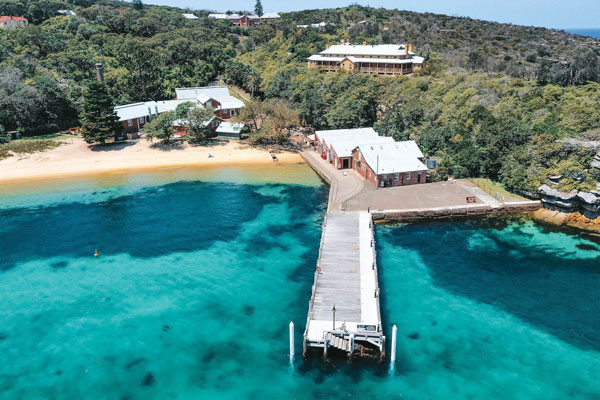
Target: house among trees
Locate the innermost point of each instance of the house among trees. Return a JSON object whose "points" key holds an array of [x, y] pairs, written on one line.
{"points": [[215, 98], [383, 59], [68, 13], [189, 16], [380, 160], [135, 116], [10, 23], [320, 25], [244, 19]]}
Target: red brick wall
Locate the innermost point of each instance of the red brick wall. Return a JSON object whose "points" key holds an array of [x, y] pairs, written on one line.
{"points": [[368, 173], [404, 179], [362, 168], [135, 126]]}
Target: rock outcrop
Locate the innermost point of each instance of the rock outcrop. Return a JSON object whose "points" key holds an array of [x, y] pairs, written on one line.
{"points": [[596, 163], [590, 203], [585, 203], [554, 199]]}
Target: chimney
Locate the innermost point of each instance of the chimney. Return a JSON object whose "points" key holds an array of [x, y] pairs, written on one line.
{"points": [[409, 47], [100, 72]]}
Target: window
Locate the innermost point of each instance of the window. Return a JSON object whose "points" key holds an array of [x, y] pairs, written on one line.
{"points": [[397, 177], [129, 122], [408, 176], [141, 120]]}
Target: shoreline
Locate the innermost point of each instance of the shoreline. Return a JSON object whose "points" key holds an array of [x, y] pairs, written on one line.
{"points": [[571, 220], [77, 159]]}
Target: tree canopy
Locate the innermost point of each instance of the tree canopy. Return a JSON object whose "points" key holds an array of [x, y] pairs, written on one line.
{"points": [[99, 122]]}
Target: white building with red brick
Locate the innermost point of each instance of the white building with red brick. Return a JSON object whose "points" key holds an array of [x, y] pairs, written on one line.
{"points": [[380, 160]]}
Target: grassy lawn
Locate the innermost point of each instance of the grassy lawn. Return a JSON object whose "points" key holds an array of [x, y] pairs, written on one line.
{"points": [[495, 189]]}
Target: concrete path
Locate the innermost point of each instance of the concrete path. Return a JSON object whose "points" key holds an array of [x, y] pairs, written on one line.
{"points": [[489, 200], [343, 187]]}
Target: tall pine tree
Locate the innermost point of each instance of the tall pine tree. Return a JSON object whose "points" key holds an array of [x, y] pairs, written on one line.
{"points": [[99, 121], [258, 10]]}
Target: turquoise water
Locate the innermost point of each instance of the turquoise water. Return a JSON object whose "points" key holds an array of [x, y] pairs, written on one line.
{"points": [[196, 282], [585, 32]]}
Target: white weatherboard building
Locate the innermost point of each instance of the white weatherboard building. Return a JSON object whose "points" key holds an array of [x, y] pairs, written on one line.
{"points": [[216, 98], [230, 130], [384, 59]]}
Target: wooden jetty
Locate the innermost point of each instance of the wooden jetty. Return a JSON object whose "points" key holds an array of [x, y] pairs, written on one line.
{"points": [[344, 314]]}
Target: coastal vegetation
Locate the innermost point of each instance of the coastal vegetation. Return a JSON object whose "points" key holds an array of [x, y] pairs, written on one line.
{"points": [[498, 101], [29, 146]]}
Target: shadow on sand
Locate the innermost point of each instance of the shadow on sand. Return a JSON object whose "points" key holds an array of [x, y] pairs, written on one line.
{"points": [[112, 146], [176, 145]]}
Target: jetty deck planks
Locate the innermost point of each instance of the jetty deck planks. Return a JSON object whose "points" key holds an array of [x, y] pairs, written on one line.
{"points": [[346, 277]]}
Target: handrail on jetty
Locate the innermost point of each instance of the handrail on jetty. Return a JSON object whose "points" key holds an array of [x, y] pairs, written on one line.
{"points": [[344, 312]]}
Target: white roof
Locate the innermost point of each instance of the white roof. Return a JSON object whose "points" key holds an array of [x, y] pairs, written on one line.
{"points": [[189, 16], [66, 12], [204, 94], [135, 110], [230, 127], [412, 60], [270, 15], [326, 136], [168, 105], [344, 146], [397, 157], [143, 109], [237, 16], [182, 122], [319, 25], [364, 50], [223, 16]]}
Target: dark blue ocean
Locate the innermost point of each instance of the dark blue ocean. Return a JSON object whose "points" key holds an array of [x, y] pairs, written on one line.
{"points": [[585, 32], [197, 280]]}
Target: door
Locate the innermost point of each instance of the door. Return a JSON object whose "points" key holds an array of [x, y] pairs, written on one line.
{"points": [[345, 163], [419, 177]]}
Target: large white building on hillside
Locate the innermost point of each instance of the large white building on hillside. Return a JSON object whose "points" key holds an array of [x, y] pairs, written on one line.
{"points": [[245, 20], [383, 59]]}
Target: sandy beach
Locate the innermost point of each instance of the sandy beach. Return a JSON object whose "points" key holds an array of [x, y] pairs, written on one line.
{"points": [[75, 157]]}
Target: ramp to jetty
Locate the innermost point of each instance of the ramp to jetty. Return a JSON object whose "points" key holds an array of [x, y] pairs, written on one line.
{"points": [[345, 280]]}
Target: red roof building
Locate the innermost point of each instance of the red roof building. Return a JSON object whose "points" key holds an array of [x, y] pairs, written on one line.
{"points": [[9, 22]]}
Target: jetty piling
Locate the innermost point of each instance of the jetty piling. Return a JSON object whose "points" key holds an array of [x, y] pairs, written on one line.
{"points": [[291, 340], [393, 350]]}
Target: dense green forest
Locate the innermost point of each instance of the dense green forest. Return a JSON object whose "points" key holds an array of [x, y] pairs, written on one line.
{"points": [[496, 100]]}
